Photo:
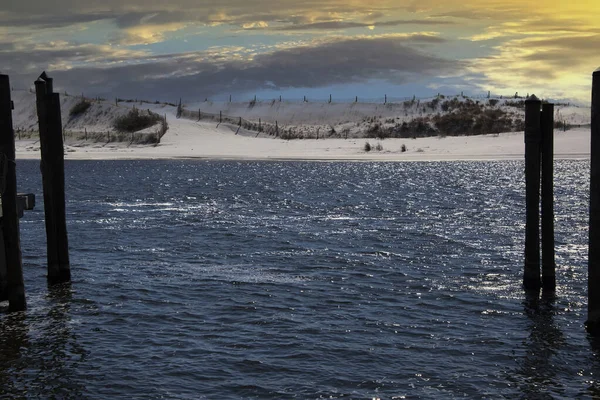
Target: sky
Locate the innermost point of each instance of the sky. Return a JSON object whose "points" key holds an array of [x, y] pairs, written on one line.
{"points": [[211, 49]]}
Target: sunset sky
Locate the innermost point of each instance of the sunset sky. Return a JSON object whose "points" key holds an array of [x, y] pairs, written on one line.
{"points": [[194, 49]]}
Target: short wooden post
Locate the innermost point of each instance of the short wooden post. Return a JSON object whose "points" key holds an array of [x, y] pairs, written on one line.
{"points": [[276, 129], [548, 261], [356, 99], [13, 275], [280, 98], [220, 116], [385, 101], [230, 98], [199, 115], [53, 179], [240, 123], [259, 125], [85, 130], [531, 276], [593, 319], [329, 99], [255, 98], [305, 99]]}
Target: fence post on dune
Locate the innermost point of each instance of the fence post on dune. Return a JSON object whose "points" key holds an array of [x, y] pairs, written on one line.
{"points": [[53, 179], [593, 318], [12, 287], [531, 276], [547, 164], [276, 129], [220, 116]]}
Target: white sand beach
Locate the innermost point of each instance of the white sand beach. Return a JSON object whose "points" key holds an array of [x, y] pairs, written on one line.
{"points": [[203, 139]]}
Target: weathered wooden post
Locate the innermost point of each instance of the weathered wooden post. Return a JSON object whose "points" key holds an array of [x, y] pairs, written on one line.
{"points": [[53, 179], [329, 99], [276, 129], [220, 116], [199, 115], [230, 98], [593, 319], [356, 99], [11, 284], [547, 150], [259, 125], [385, 101], [531, 276]]}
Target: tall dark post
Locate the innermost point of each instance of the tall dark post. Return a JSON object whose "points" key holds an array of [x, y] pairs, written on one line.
{"points": [[14, 287], [385, 101], [531, 276], [53, 179], [548, 262], [593, 320], [199, 115], [220, 116], [329, 99]]}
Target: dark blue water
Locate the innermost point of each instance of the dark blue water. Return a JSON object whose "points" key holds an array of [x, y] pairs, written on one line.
{"points": [[277, 280]]}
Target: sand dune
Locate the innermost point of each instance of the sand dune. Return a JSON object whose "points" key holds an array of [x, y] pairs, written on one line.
{"points": [[204, 139]]}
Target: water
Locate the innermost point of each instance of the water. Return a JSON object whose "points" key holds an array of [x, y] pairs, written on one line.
{"points": [[273, 280]]}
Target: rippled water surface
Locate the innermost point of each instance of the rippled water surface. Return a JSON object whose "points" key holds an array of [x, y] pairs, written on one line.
{"points": [[276, 280]]}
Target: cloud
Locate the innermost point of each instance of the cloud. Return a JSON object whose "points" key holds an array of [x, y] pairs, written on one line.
{"points": [[558, 66], [338, 25], [203, 74]]}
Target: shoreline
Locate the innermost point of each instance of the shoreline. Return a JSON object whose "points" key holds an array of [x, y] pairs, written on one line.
{"points": [[192, 140]]}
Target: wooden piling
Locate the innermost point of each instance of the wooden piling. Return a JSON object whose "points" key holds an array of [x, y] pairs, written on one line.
{"points": [[531, 276], [547, 164], [593, 319], [53, 179], [12, 281]]}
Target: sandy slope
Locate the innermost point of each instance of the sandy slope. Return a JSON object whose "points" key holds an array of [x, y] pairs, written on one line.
{"points": [[190, 139]]}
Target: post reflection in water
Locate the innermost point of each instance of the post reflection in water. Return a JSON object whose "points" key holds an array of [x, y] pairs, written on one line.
{"points": [[544, 341], [40, 353], [13, 339]]}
